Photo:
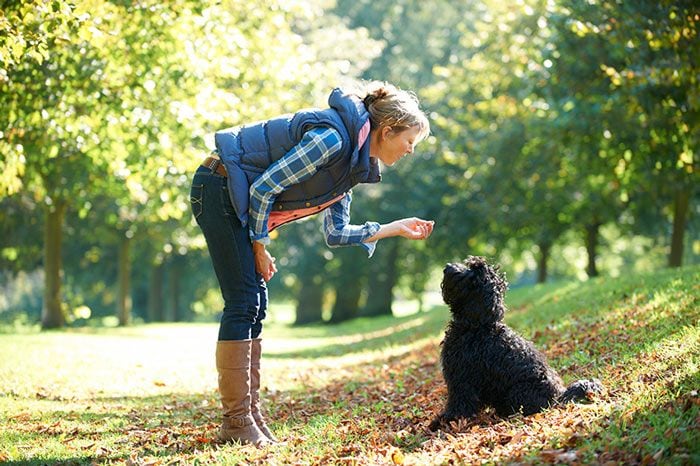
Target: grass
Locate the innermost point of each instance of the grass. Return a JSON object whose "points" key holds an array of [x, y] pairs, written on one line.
{"points": [[363, 392]]}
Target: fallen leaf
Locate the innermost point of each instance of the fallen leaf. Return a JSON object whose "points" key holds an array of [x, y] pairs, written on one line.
{"points": [[550, 455], [22, 417], [102, 451], [517, 437], [658, 454], [397, 457]]}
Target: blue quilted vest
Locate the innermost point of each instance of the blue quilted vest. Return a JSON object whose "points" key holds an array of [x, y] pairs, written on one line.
{"points": [[248, 150]]}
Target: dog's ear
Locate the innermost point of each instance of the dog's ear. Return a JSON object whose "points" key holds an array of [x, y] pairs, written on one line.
{"points": [[477, 264], [486, 272]]}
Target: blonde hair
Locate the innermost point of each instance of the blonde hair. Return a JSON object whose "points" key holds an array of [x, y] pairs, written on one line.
{"points": [[389, 106]]}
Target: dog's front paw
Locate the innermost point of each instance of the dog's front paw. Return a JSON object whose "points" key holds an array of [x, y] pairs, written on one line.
{"points": [[435, 424]]}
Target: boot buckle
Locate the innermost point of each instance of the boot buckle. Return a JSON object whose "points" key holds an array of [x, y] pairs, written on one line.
{"points": [[236, 422]]}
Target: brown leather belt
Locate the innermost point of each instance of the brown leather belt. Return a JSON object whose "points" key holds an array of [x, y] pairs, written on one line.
{"points": [[216, 165]]}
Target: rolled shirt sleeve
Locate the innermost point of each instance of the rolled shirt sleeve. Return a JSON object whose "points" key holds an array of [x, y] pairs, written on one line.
{"points": [[316, 147], [339, 232]]}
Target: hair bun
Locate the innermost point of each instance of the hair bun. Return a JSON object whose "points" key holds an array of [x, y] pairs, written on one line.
{"points": [[375, 95], [381, 92], [393, 108]]}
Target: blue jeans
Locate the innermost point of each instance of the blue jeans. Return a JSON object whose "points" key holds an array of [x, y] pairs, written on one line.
{"points": [[243, 289]]}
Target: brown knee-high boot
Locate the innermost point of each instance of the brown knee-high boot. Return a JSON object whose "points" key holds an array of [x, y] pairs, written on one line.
{"points": [[255, 354], [233, 365]]}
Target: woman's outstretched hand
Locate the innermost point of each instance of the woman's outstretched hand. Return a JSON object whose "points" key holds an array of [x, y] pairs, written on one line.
{"points": [[264, 262], [411, 228]]}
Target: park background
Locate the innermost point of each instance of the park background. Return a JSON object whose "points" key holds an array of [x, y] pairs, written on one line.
{"points": [[563, 146]]}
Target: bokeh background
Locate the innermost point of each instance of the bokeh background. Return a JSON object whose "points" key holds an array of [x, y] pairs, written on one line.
{"points": [[564, 146]]}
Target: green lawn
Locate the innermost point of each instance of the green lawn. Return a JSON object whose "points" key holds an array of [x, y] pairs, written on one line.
{"points": [[363, 392]]}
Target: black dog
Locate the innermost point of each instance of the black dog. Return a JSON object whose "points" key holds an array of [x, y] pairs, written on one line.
{"points": [[484, 362]]}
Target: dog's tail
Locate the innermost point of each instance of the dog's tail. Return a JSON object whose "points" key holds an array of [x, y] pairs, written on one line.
{"points": [[582, 390]]}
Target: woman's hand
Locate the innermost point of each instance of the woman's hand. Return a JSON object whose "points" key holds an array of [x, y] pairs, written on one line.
{"points": [[264, 262], [411, 228]]}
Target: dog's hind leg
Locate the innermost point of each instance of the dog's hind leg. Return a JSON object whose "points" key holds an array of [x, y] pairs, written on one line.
{"points": [[462, 404], [527, 398]]}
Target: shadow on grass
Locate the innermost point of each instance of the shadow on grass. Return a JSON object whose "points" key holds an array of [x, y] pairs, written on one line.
{"points": [[337, 341], [356, 327]]}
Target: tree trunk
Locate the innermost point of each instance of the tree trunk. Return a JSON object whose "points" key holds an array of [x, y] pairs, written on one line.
{"points": [[309, 308], [174, 277], [52, 315], [155, 294], [542, 262], [124, 282], [592, 235], [347, 301], [382, 282], [681, 205]]}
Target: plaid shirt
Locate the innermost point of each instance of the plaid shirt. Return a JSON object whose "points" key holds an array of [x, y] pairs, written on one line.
{"points": [[316, 147]]}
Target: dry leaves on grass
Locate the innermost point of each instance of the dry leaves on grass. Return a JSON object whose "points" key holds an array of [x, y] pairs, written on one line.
{"points": [[378, 414], [389, 407]]}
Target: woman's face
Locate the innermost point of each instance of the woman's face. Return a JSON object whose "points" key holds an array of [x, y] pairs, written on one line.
{"points": [[390, 146]]}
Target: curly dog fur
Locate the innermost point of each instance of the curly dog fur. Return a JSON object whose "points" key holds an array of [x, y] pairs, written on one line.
{"points": [[484, 362]]}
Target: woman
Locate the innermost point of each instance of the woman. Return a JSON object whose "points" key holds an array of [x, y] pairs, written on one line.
{"points": [[272, 172]]}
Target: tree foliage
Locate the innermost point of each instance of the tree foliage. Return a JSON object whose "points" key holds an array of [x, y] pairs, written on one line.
{"points": [[554, 123]]}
